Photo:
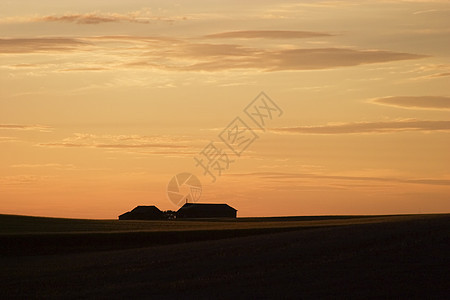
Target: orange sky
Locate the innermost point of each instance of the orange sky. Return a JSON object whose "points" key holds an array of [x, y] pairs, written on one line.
{"points": [[102, 102]]}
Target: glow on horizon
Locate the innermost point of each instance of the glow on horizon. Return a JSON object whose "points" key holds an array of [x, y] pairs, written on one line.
{"points": [[102, 102]]}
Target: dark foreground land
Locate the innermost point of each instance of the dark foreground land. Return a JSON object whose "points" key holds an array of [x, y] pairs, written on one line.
{"points": [[386, 257]]}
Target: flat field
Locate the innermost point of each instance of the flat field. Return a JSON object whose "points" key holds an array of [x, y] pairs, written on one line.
{"points": [[404, 256]]}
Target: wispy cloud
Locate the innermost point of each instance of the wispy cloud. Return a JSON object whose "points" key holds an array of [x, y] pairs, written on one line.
{"points": [[31, 45], [324, 58], [427, 11], [119, 146], [144, 16], [267, 34], [20, 66], [293, 176], [25, 127], [437, 75], [17, 180], [214, 57], [5, 139], [50, 165], [96, 18], [85, 69], [430, 71], [205, 50], [368, 127], [173, 54], [415, 102], [83, 140], [134, 38]]}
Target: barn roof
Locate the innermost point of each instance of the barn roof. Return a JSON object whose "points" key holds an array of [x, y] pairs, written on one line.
{"points": [[206, 207], [146, 209], [142, 212]]}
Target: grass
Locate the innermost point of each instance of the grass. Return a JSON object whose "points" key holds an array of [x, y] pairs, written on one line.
{"points": [[371, 257], [15, 224], [25, 235]]}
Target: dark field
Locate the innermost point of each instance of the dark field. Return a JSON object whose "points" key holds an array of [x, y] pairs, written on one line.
{"points": [[299, 257]]}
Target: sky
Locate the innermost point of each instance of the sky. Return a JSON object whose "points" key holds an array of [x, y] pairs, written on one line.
{"points": [[102, 103]]}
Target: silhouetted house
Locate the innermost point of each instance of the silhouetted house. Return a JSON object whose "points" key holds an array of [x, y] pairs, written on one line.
{"points": [[143, 213], [206, 210]]}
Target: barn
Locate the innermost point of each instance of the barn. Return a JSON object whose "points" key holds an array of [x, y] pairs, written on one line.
{"points": [[143, 213], [206, 210]]}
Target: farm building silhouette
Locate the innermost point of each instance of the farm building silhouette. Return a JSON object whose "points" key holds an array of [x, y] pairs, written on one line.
{"points": [[187, 211], [143, 213], [206, 210]]}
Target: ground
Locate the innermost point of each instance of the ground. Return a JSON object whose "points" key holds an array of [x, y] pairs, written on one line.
{"points": [[304, 257]]}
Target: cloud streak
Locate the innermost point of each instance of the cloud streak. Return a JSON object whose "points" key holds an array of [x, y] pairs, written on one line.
{"points": [[25, 127], [440, 75], [172, 54], [323, 58], [95, 18], [368, 127], [415, 102], [267, 34], [82, 140], [144, 16], [32, 45], [50, 165], [287, 176], [19, 180], [6, 139], [218, 57]]}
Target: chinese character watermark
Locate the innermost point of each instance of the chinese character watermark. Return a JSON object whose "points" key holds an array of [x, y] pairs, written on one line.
{"points": [[237, 136], [213, 160], [262, 108]]}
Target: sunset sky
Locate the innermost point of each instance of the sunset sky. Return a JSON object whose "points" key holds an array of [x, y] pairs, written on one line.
{"points": [[103, 102]]}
